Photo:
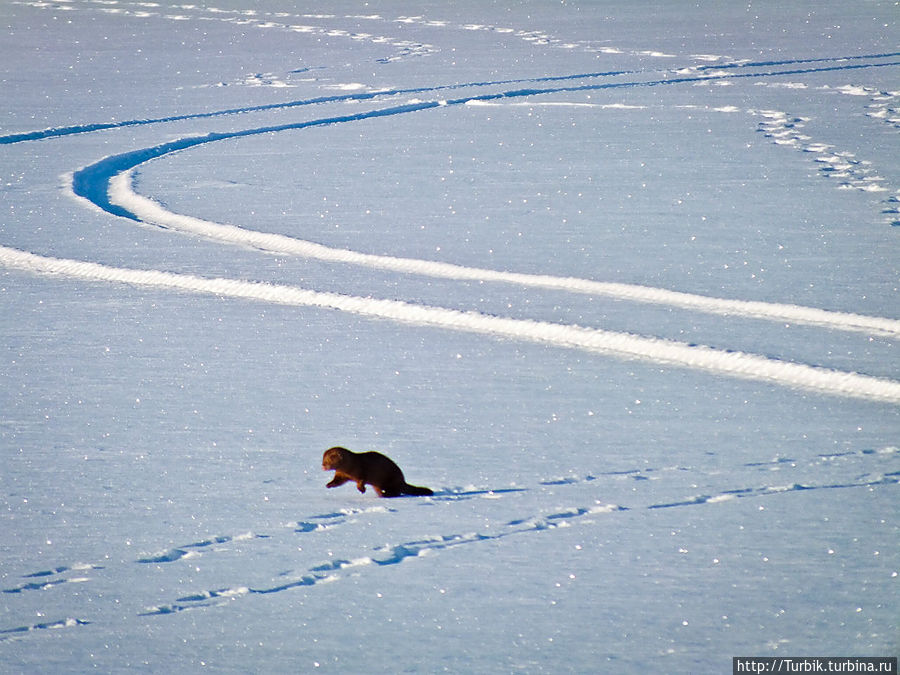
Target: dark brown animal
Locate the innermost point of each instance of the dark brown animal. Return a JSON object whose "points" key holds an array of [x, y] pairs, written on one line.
{"points": [[373, 468]]}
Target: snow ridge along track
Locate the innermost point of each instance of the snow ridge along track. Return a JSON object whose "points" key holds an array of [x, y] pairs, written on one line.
{"points": [[735, 364], [146, 210], [107, 184]]}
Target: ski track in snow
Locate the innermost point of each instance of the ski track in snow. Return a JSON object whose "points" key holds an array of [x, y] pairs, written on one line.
{"points": [[621, 345], [333, 570], [108, 185], [121, 194]]}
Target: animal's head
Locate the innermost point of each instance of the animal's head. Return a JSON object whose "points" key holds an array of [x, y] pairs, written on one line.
{"points": [[332, 458]]}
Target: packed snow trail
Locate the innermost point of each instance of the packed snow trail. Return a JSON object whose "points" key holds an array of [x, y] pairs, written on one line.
{"points": [[107, 185], [621, 345], [121, 194]]}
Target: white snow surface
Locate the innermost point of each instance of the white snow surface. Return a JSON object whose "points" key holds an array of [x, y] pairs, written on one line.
{"points": [[618, 281]]}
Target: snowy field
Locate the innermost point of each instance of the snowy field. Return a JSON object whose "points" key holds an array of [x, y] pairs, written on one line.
{"points": [[617, 280]]}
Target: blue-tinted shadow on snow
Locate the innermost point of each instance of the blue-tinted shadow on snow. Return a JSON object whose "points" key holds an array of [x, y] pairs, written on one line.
{"points": [[886, 479], [392, 554], [383, 556], [458, 494], [10, 633], [337, 98], [52, 578], [92, 182], [366, 96], [180, 552]]}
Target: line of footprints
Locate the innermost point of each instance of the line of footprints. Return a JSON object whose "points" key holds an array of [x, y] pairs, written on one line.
{"points": [[843, 167]]}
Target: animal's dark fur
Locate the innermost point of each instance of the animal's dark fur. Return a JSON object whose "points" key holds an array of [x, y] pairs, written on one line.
{"points": [[373, 468]]}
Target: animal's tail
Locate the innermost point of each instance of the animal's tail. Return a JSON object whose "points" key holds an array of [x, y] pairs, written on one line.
{"points": [[416, 490]]}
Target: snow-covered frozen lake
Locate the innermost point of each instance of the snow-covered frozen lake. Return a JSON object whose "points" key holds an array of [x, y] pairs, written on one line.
{"points": [[618, 281]]}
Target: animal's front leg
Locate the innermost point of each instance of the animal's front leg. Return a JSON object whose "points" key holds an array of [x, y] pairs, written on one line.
{"points": [[361, 485], [339, 479]]}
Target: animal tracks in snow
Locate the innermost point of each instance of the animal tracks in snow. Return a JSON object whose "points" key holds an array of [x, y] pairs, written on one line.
{"points": [[20, 631], [47, 579], [393, 554], [767, 479], [316, 25], [193, 550], [837, 165], [330, 25]]}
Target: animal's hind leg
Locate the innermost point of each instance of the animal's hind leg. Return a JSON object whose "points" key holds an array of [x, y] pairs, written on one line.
{"points": [[388, 492]]}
